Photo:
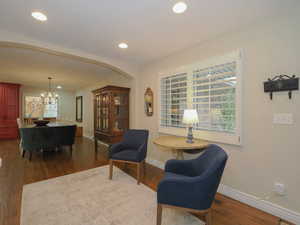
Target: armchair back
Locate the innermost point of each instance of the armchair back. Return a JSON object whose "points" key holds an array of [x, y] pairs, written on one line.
{"points": [[212, 161], [134, 139], [210, 166]]}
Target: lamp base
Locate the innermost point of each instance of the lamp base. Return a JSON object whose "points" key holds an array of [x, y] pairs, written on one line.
{"points": [[190, 136]]}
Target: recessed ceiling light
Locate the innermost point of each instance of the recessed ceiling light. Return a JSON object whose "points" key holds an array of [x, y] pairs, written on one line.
{"points": [[123, 45], [59, 87], [179, 7], [39, 16]]}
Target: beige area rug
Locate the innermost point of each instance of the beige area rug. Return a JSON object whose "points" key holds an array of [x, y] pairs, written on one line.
{"points": [[89, 198]]}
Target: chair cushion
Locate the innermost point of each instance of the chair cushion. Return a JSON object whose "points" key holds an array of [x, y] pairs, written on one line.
{"points": [[127, 155]]}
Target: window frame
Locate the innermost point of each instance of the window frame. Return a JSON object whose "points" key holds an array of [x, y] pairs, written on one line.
{"points": [[213, 136], [32, 95]]}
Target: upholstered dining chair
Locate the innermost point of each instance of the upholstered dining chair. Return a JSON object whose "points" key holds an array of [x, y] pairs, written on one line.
{"points": [[37, 139], [191, 185], [19, 123], [132, 149]]}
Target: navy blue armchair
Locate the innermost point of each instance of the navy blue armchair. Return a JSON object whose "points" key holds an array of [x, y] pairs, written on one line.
{"points": [[191, 185], [132, 149]]}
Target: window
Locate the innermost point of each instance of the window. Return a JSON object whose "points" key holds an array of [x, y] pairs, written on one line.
{"points": [[173, 100], [213, 89], [34, 108], [214, 97], [50, 111]]}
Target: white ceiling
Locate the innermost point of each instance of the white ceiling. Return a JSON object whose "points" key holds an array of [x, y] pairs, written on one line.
{"points": [[150, 27], [32, 68]]}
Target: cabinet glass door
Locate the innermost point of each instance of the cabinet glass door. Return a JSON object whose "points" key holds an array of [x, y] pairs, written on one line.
{"points": [[120, 112], [104, 112], [97, 112]]}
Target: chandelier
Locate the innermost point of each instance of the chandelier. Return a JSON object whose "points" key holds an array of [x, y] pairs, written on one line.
{"points": [[49, 97]]}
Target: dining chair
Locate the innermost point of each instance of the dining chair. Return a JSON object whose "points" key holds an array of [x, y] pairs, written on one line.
{"points": [[19, 123], [191, 185], [43, 139], [132, 149]]}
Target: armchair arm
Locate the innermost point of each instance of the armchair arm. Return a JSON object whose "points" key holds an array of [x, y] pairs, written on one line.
{"points": [[182, 167], [187, 192], [115, 148]]}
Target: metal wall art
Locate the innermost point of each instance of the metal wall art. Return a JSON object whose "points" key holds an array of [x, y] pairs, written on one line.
{"points": [[281, 83]]}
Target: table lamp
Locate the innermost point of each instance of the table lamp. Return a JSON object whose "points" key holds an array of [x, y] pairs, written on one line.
{"points": [[190, 116]]}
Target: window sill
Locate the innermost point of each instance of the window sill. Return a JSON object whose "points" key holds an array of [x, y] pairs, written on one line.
{"points": [[211, 136]]}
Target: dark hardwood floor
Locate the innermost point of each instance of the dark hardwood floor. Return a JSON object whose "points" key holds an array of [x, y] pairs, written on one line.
{"points": [[16, 172]]}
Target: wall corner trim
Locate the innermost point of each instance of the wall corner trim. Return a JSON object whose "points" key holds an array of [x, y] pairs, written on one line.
{"points": [[266, 206]]}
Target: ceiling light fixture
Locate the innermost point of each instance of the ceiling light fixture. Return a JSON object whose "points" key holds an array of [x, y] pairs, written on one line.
{"points": [[123, 45], [39, 16], [179, 7], [49, 97]]}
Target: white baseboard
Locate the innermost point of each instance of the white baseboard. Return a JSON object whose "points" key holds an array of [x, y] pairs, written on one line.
{"points": [[248, 199], [261, 204], [92, 138], [155, 163]]}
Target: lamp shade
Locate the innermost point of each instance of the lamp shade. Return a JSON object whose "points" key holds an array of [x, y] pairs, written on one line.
{"points": [[190, 116]]}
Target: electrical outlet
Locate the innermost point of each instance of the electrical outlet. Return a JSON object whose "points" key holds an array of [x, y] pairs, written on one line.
{"points": [[279, 188]]}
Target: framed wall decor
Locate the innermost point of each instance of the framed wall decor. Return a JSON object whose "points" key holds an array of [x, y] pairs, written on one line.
{"points": [[79, 108], [149, 102]]}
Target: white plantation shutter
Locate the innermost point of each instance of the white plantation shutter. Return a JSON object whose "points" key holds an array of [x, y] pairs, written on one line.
{"points": [[213, 88], [214, 97], [173, 100]]}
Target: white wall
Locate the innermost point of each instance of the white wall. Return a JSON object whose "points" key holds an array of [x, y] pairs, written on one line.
{"points": [[66, 106], [88, 103], [270, 152]]}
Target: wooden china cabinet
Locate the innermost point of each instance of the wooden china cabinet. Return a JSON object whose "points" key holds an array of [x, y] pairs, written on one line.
{"points": [[111, 114]]}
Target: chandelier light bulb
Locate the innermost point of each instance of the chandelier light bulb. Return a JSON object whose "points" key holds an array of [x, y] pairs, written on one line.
{"points": [[49, 97]]}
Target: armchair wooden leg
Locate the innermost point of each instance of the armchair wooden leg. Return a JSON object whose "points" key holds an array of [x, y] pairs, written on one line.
{"points": [[71, 150], [208, 217], [144, 168], [30, 155], [23, 153], [159, 214], [138, 173], [110, 169]]}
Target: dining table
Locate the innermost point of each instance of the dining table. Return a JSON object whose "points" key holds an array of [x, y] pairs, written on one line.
{"points": [[51, 124]]}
